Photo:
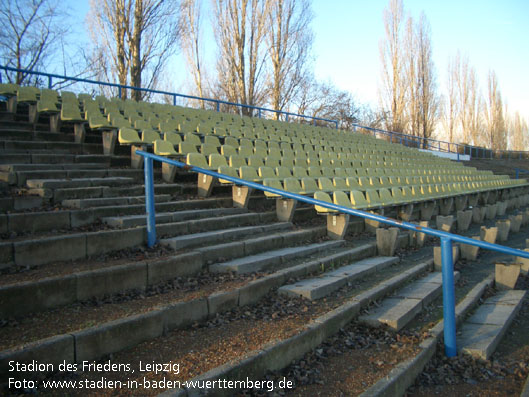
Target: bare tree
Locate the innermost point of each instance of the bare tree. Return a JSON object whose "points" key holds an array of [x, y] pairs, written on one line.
{"points": [[468, 98], [191, 42], [133, 40], [32, 32], [289, 43], [240, 31], [394, 87], [424, 85], [519, 132], [495, 121], [451, 105]]}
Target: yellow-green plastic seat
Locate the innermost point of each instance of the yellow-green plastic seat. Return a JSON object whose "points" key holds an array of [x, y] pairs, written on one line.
{"points": [[217, 160], [149, 136], [323, 196], [128, 136], [187, 147], [237, 161], [227, 170], [172, 137], [358, 200], [249, 174], [341, 198], [71, 113], [164, 148], [267, 172], [274, 183], [197, 160], [228, 150]]}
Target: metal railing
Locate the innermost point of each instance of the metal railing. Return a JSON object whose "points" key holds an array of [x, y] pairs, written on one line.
{"points": [[520, 171], [446, 238], [395, 137], [121, 87]]}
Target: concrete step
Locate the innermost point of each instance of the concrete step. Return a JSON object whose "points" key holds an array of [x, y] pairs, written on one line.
{"points": [[35, 251], [20, 177], [221, 235], [399, 309], [78, 182], [166, 217], [110, 201], [481, 333], [47, 167], [325, 284], [70, 147], [59, 195], [272, 259]]}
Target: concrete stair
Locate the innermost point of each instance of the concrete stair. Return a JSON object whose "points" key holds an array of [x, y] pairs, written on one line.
{"points": [[328, 282], [482, 331], [399, 309]]}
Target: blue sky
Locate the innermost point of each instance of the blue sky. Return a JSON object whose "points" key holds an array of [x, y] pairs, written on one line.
{"points": [[494, 34]]}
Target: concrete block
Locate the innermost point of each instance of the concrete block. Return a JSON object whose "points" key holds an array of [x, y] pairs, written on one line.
{"points": [[337, 225], [50, 249], [446, 205], [222, 301], [54, 350], [39, 221], [205, 185], [175, 266], [23, 298], [96, 342], [437, 256], [222, 251], [489, 234], [253, 291], [108, 281], [387, 241], [405, 212], [490, 211], [516, 222], [260, 244], [3, 223], [182, 314], [7, 256], [248, 264], [285, 209], [504, 226], [479, 340], [502, 208], [461, 202], [473, 200], [113, 240], [168, 172], [82, 217], [109, 142], [506, 275], [425, 292], [524, 262], [427, 209], [394, 312], [470, 252], [420, 238], [241, 196], [463, 220], [478, 214], [445, 223], [371, 226]]}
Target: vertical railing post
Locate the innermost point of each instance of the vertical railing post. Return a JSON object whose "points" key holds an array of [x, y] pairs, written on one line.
{"points": [[119, 92], [174, 100], [517, 173], [286, 117], [49, 82], [218, 106], [259, 112], [149, 203], [449, 303]]}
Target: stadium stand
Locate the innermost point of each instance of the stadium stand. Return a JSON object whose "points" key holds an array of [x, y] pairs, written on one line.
{"points": [[79, 284]]}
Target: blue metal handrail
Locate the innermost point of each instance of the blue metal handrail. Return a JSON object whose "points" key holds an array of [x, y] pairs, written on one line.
{"points": [[120, 87], [446, 238]]}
